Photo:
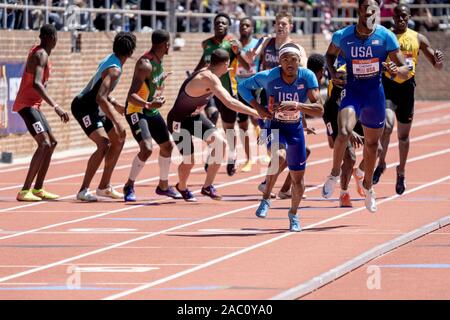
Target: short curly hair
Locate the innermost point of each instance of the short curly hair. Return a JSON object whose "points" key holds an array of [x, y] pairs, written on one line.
{"points": [[124, 44]]}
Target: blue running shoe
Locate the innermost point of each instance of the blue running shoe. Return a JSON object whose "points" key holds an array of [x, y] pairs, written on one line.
{"points": [[170, 192], [186, 194], [264, 206], [128, 194], [294, 224]]}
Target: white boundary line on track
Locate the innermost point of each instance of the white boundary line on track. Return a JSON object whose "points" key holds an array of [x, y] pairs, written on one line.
{"points": [[350, 265], [218, 186], [130, 145], [418, 138], [261, 244], [153, 234]]}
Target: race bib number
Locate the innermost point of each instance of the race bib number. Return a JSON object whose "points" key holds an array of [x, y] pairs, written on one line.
{"points": [[288, 116], [176, 127], [38, 128], [134, 118], [409, 61], [366, 68], [329, 129], [87, 121]]}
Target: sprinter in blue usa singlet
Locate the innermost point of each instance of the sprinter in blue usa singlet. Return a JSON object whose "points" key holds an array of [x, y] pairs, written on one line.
{"points": [[364, 47]]}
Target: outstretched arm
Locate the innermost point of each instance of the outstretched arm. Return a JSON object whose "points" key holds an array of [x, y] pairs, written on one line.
{"points": [[226, 98]]}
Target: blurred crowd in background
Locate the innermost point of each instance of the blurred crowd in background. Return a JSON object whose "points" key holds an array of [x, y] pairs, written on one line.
{"points": [[324, 9]]}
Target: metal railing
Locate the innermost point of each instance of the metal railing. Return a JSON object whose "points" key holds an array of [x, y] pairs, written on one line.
{"points": [[307, 18]]}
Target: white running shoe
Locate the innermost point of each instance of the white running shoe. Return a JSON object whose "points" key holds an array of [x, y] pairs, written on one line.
{"points": [[262, 189], [285, 195], [370, 201], [84, 195], [328, 186], [109, 192]]}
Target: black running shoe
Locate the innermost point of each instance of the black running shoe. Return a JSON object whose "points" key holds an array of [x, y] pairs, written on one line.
{"points": [[231, 167], [400, 185], [377, 174]]}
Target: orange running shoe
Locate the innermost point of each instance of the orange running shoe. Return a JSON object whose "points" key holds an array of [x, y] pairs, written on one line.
{"points": [[344, 200], [359, 183]]}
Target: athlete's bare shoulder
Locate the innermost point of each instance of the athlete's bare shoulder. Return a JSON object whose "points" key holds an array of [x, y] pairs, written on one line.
{"points": [[41, 56]]}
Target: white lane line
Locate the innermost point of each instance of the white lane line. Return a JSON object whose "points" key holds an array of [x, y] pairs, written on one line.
{"points": [[259, 245], [67, 156], [427, 136], [153, 234], [127, 208], [423, 122], [350, 265]]}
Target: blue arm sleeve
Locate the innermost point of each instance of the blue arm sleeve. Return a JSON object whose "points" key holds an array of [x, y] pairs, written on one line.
{"points": [[311, 80], [337, 36], [391, 41], [255, 82]]}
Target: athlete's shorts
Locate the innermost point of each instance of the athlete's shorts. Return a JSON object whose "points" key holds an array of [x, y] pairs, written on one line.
{"points": [[228, 115], [400, 98], [290, 134], [90, 117], [34, 120], [330, 115], [197, 126], [369, 104], [145, 127]]}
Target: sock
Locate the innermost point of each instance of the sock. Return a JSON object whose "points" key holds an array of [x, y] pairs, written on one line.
{"points": [[343, 191], [164, 168], [136, 168], [359, 172]]}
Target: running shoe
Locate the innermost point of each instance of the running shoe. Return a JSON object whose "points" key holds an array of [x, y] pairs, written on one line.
{"points": [[285, 195], [328, 186], [294, 223], [344, 200], [370, 201], [128, 194], [186, 194], [109, 192], [44, 195], [377, 174], [170, 192], [400, 185], [247, 166], [263, 208], [27, 195], [85, 196], [211, 192], [231, 167], [359, 181], [262, 189]]}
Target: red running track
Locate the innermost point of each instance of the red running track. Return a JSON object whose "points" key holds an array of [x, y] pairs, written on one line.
{"points": [[159, 248]]}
